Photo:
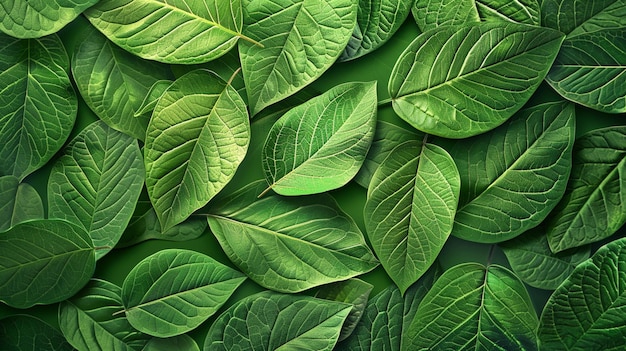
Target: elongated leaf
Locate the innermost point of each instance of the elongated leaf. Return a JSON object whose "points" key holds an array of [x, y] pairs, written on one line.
{"points": [[37, 18], [317, 243], [37, 103], [114, 83], [18, 202], [473, 307], [43, 262], [272, 321], [512, 177], [594, 204], [178, 31], [376, 23], [152, 97], [458, 82], [430, 14], [300, 39], [180, 342], [27, 333], [320, 145], [96, 184], [522, 11], [197, 137], [410, 208], [173, 291], [587, 311], [532, 260], [91, 320]]}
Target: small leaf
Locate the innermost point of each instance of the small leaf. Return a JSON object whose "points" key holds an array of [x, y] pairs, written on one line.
{"points": [[43, 262], [181, 342], [320, 145], [27, 333], [18, 202], [152, 97], [174, 291], [430, 14]]}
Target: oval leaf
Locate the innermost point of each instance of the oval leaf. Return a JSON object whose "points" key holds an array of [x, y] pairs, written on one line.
{"points": [[180, 342], [27, 333], [458, 82], [173, 291], [320, 145], [316, 241], [43, 262], [196, 139], [521, 11], [430, 14], [18, 202]]}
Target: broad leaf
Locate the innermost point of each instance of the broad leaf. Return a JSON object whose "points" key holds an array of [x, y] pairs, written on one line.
{"points": [[272, 321], [43, 262], [320, 145], [196, 139], [96, 184], [457, 82], [376, 23], [27, 333], [18, 202], [37, 103], [473, 307], [300, 39], [150, 100], [91, 320], [178, 31], [512, 177], [587, 312], [410, 208], [594, 204], [114, 83], [430, 14], [173, 291], [181, 342], [317, 243], [37, 18], [522, 11]]}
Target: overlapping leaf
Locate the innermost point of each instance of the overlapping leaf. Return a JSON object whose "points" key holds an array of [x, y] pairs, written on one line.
{"points": [[27, 333], [522, 11], [18, 202], [430, 14], [180, 342]]}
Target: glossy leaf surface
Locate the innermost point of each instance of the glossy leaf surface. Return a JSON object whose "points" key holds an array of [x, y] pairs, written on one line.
{"points": [[521, 11], [27, 333], [18, 202]]}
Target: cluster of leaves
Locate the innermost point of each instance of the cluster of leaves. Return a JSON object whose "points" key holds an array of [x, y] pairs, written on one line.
{"points": [[160, 119]]}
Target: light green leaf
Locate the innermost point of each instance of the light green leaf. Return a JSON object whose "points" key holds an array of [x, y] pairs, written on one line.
{"points": [[91, 320], [114, 83], [18, 202], [410, 208], [37, 18], [174, 291], [473, 307], [587, 312], [96, 184], [317, 243], [522, 11], [320, 145], [152, 97], [272, 321], [376, 23], [37, 103], [512, 177], [43, 262], [594, 204], [458, 82], [300, 40], [532, 260], [197, 137], [178, 31], [181, 342], [27, 333], [430, 14]]}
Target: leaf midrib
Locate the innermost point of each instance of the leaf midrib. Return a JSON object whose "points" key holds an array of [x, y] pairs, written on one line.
{"points": [[198, 18]]}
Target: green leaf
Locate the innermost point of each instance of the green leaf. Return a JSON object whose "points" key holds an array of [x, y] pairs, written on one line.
{"points": [[149, 102], [178, 31], [522, 11], [37, 18], [316, 241], [376, 23], [300, 40], [196, 139], [458, 82], [18, 202], [173, 291], [37, 103], [91, 320], [320, 145], [512, 177], [430, 14], [27, 333], [43, 262], [181, 342], [473, 307], [587, 311], [532, 260], [594, 204], [96, 184], [410, 208], [272, 321], [114, 83]]}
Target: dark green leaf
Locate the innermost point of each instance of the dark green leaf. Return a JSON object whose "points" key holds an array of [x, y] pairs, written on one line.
{"points": [[18, 202], [522, 11], [181, 342], [27, 333]]}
